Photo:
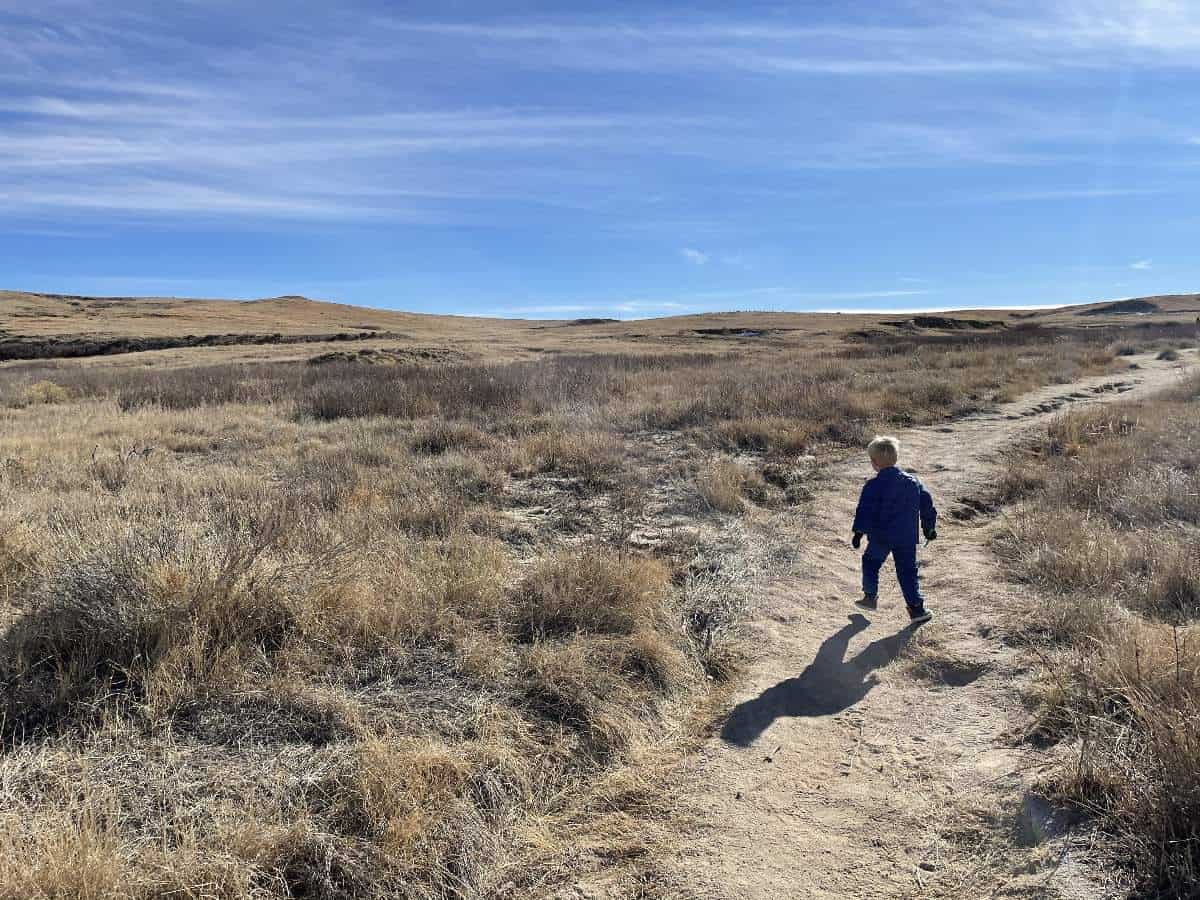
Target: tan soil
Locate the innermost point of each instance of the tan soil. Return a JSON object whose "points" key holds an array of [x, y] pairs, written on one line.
{"points": [[866, 759]]}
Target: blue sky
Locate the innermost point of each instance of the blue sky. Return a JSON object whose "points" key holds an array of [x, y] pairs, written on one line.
{"points": [[586, 158]]}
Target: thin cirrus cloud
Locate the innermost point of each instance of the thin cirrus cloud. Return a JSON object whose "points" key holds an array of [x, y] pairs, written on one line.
{"points": [[388, 155], [746, 48], [1028, 195], [828, 141], [235, 130], [231, 115], [1142, 264], [980, 40], [220, 135]]}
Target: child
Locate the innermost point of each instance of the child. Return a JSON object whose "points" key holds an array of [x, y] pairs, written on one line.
{"points": [[888, 510]]}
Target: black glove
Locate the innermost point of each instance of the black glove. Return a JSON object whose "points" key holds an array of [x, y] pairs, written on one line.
{"points": [[856, 541], [931, 534]]}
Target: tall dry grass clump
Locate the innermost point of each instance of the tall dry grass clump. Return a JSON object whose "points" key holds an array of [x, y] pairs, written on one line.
{"points": [[592, 591], [720, 485], [1107, 531], [117, 600]]}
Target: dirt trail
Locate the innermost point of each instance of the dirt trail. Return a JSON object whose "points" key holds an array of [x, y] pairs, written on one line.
{"points": [[837, 775]]}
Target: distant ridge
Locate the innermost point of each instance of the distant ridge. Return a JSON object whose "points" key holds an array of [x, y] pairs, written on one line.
{"points": [[45, 326], [1155, 304], [1122, 308]]}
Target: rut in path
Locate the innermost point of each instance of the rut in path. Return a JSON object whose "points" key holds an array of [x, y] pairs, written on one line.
{"points": [[836, 775]]}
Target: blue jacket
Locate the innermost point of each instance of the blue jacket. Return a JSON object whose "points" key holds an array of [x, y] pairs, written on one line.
{"points": [[890, 505]]}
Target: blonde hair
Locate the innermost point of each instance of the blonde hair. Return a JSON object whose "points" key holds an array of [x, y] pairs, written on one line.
{"points": [[884, 449]]}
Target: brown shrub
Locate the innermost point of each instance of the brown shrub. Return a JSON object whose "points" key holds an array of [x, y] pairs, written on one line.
{"points": [[428, 595], [435, 514], [323, 479], [410, 799], [767, 434], [116, 604], [303, 861], [1108, 532], [439, 436], [590, 456], [472, 478], [1134, 699], [719, 486], [44, 392], [18, 562], [574, 683], [650, 656], [79, 858], [593, 590], [111, 471], [192, 387]]}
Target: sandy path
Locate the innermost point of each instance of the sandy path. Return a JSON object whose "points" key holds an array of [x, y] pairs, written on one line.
{"points": [[885, 784]]}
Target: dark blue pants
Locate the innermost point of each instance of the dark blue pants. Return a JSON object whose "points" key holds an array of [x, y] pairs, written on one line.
{"points": [[905, 558]]}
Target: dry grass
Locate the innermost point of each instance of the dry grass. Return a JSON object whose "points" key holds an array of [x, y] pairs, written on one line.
{"points": [[343, 600], [1109, 534], [399, 631], [783, 401], [43, 392], [720, 486], [763, 433], [592, 592], [590, 457]]}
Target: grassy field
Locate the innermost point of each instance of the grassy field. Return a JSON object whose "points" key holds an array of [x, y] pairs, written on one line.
{"points": [[1108, 532], [364, 626]]}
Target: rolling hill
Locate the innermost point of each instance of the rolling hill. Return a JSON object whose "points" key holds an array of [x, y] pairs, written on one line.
{"points": [[50, 326]]}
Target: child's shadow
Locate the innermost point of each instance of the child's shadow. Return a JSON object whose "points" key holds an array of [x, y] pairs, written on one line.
{"points": [[829, 684]]}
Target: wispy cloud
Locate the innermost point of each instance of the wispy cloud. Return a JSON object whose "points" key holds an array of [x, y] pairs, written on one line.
{"points": [[988, 39], [186, 156], [1142, 264], [747, 46], [1029, 195], [239, 132], [694, 256], [245, 127]]}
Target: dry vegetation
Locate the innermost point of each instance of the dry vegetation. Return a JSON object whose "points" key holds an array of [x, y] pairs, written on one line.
{"points": [[348, 630], [1109, 532]]}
